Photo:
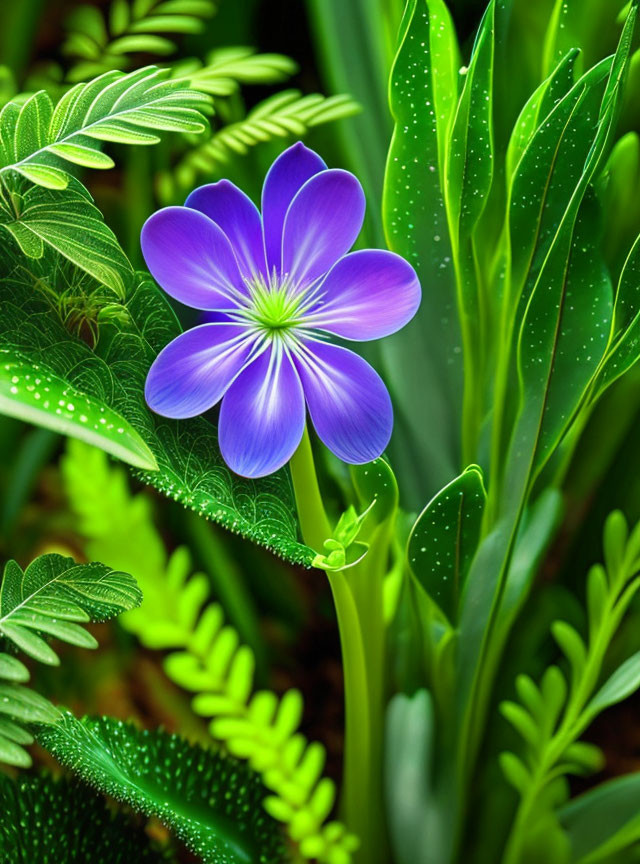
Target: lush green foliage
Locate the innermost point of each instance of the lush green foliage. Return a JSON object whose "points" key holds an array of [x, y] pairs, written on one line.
{"points": [[206, 656], [51, 598]]}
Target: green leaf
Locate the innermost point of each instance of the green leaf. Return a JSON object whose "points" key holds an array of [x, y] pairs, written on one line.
{"points": [[444, 539], [469, 162], [423, 91], [65, 221], [624, 344], [36, 396], [52, 594], [603, 820], [190, 468], [622, 684], [112, 107], [23, 704], [210, 801], [416, 832], [11, 669], [71, 826], [288, 113]]}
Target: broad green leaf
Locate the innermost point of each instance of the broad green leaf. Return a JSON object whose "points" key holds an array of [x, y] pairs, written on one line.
{"points": [[65, 221], [538, 107], [423, 92], [603, 820], [566, 325], [37, 136], [375, 481], [190, 468], [53, 593], [209, 800], [444, 539], [72, 824], [29, 392], [546, 177]]}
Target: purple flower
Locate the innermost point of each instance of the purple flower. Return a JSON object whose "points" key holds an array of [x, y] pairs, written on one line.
{"points": [[280, 285]]}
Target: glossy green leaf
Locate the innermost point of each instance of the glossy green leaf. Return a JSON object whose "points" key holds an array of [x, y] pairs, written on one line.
{"points": [[538, 107], [469, 161], [444, 540], [423, 91], [30, 393], [209, 800]]}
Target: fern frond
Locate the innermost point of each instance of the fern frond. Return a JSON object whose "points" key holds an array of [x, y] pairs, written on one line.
{"points": [[46, 821], [283, 115], [551, 716], [209, 800], [39, 140], [227, 68], [100, 43], [52, 597], [210, 661]]}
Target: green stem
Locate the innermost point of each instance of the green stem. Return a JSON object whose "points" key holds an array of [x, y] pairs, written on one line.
{"points": [[357, 594], [358, 599], [314, 523]]}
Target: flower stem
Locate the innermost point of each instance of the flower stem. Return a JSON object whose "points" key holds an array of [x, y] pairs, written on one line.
{"points": [[314, 523], [357, 594]]}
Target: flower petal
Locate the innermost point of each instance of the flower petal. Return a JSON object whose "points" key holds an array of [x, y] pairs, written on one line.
{"points": [[240, 220], [347, 400], [285, 177], [367, 295], [322, 223], [192, 259], [193, 372], [262, 415]]}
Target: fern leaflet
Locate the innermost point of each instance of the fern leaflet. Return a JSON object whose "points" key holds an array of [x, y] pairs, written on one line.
{"points": [[39, 140], [52, 597]]}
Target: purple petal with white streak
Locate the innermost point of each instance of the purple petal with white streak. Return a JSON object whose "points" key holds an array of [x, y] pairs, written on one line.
{"points": [[194, 370], [240, 220], [322, 224], [347, 400], [289, 172], [192, 259], [262, 416], [367, 295]]}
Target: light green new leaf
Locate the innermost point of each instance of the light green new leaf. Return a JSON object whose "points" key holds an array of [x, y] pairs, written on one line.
{"points": [[66, 221], [52, 594], [30, 393], [444, 539], [211, 802]]}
